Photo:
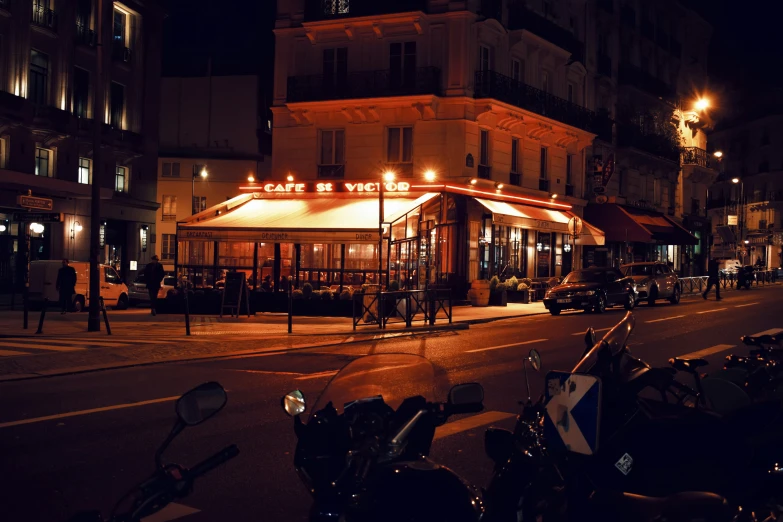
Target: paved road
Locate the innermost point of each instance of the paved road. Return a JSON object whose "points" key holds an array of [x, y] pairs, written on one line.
{"points": [[60, 464]]}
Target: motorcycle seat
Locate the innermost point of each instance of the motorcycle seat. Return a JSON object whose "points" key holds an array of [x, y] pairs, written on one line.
{"points": [[687, 365], [680, 506]]}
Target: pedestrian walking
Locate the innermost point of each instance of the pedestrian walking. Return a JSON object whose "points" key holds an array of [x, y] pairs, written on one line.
{"points": [[712, 279], [66, 285], [153, 275]]}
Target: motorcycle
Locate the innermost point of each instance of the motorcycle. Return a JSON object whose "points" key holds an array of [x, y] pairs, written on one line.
{"points": [[653, 447], [760, 373], [172, 481], [363, 453]]}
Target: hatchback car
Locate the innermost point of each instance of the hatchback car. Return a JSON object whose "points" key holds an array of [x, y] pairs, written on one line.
{"points": [[591, 289], [138, 289], [654, 280]]}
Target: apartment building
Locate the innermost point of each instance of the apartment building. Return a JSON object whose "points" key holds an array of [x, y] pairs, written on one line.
{"points": [[746, 202], [650, 63], [48, 80]]}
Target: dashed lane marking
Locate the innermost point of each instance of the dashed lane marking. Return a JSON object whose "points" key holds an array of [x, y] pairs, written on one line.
{"points": [[710, 311], [665, 319], [506, 346], [743, 305], [596, 331], [707, 351]]}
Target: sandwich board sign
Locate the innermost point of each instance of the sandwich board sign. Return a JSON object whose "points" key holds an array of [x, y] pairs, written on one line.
{"points": [[235, 289], [573, 411]]}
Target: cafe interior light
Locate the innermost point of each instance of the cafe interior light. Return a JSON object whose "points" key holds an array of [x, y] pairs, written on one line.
{"points": [[429, 175], [539, 247], [473, 181], [37, 228], [735, 180], [566, 248], [498, 185], [2, 228], [747, 241]]}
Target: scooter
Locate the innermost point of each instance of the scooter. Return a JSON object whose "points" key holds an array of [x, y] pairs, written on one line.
{"points": [[171, 481]]}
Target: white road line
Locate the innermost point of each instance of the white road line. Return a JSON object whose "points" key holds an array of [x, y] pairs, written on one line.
{"points": [[596, 331], [316, 375], [707, 351], [506, 345], [9, 353], [772, 331], [749, 304], [665, 319], [710, 311], [468, 423], [86, 412], [171, 512], [49, 347]]}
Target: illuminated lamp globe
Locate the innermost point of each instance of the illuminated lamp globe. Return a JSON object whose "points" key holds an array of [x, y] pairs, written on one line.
{"points": [[429, 175]]}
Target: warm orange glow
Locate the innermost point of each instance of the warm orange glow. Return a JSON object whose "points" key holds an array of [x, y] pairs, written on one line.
{"points": [[718, 154], [388, 176], [735, 180], [553, 196], [251, 178], [498, 185], [701, 104], [473, 181], [429, 175], [290, 177], [493, 195]]}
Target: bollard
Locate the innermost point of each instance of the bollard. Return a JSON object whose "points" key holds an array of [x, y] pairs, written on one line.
{"points": [[43, 314], [290, 306], [105, 317], [26, 307], [187, 313]]}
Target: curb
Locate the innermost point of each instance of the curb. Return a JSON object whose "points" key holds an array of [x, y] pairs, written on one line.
{"points": [[228, 355]]}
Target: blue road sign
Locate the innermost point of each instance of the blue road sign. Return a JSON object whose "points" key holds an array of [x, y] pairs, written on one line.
{"points": [[573, 411]]}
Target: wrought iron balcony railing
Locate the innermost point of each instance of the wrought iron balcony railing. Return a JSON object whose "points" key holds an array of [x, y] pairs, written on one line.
{"points": [[520, 17], [630, 135], [330, 9], [363, 84], [490, 84], [44, 17], [120, 53], [696, 156], [85, 36]]}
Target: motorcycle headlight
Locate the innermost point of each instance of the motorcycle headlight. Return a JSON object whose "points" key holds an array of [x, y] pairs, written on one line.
{"points": [[586, 293]]}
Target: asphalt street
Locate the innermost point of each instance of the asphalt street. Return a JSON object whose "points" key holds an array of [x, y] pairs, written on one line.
{"points": [[60, 455]]}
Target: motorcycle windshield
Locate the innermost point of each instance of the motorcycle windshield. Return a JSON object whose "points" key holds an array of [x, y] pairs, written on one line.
{"points": [[392, 376], [615, 338]]}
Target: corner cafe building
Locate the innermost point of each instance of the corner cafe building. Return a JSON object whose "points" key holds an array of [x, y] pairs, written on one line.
{"points": [[326, 233]]}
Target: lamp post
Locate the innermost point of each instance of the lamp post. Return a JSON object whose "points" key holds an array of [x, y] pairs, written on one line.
{"points": [[196, 173], [741, 211], [387, 177]]}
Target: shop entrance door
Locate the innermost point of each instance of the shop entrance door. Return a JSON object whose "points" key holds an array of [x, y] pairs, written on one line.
{"points": [[403, 264], [544, 254]]}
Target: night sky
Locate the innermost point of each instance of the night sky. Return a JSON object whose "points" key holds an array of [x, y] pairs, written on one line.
{"points": [[744, 67]]}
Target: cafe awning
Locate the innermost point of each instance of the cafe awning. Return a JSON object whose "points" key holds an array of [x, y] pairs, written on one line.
{"points": [[526, 216], [302, 220], [590, 236], [636, 225]]}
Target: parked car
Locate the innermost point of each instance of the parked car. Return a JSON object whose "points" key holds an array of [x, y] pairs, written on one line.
{"points": [[138, 289], [591, 289], [43, 279], [654, 280]]}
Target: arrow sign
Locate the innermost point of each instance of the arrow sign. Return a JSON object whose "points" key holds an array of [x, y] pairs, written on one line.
{"points": [[573, 411]]}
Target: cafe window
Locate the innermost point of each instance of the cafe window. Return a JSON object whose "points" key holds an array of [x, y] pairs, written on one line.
{"points": [[167, 247], [171, 170], [235, 254], [43, 162], [473, 253], [199, 204], [485, 58], [84, 171], [543, 254], [399, 145], [169, 208]]}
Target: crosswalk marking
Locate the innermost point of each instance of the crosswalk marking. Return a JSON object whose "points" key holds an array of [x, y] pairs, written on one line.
{"points": [[742, 305], [48, 347]]}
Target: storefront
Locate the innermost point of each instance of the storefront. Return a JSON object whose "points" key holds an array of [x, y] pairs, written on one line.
{"points": [[327, 234], [636, 235]]}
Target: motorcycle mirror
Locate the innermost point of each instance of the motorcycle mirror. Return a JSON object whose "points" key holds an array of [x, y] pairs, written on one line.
{"points": [[469, 394], [201, 403], [535, 359], [293, 403]]}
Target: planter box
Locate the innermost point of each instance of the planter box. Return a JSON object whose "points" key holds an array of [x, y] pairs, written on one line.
{"points": [[498, 299], [515, 296]]}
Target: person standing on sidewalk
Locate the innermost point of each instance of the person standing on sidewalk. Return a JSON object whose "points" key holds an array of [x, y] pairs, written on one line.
{"points": [[153, 276], [712, 279], [66, 285]]}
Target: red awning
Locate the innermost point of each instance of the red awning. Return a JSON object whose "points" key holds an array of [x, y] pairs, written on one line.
{"points": [[636, 225]]}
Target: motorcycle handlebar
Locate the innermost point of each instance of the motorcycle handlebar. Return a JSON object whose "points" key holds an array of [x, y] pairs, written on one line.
{"points": [[210, 463]]}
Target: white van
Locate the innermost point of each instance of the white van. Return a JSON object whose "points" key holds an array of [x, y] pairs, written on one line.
{"points": [[729, 266], [43, 280]]}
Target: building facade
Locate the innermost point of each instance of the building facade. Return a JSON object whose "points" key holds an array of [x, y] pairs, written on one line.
{"points": [[650, 63], [487, 96], [48, 80], [209, 125], [746, 202]]}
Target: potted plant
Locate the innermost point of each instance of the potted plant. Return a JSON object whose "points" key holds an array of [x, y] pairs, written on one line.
{"points": [[499, 295], [524, 292]]}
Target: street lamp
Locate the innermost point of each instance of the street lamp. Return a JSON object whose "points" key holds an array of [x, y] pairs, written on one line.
{"points": [[196, 174], [387, 177], [251, 178], [718, 154], [429, 175], [701, 104], [742, 207]]}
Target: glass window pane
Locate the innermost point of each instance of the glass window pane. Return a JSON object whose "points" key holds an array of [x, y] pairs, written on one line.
{"points": [[484, 152], [407, 144], [327, 152], [339, 147], [393, 153]]}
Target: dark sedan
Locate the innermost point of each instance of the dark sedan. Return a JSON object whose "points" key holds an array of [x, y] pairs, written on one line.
{"points": [[591, 289]]}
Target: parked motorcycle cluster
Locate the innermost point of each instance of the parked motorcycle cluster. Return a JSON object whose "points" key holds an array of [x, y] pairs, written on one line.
{"points": [[614, 439]]}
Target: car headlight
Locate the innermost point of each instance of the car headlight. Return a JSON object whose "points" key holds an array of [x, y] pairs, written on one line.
{"points": [[588, 292], [548, 294]]}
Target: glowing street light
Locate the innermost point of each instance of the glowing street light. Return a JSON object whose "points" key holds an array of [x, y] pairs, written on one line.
{"points": [[499, 185], [388, 176], [251, 178], [701, 104], [718, 154], [429, 175], [735, 180]]}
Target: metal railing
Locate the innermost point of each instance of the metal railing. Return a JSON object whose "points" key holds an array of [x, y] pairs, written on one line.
{"points": [[696, 156], [491, 84], [120, 53], [401, 306], [363, 84], [85, 36], [44, 17], [693, 285]]}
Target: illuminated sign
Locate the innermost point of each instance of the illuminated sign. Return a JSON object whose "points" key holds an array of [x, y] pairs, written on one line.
{"points": [[359, 187], [35, 202]]}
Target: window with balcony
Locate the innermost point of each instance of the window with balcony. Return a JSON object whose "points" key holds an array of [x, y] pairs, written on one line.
{"points": [[121, 36], [545, 84], [170, 170], [335, 68], [332, 158], [43, 15], [543, 172], [484, 168], [199, 204], [38, 82], [116, 105], [570, 93], [169, 205], [518, 70], [43, 162], [168, 246], [84, 171], [120, 179], [485, 58], [84, 34], [81, 92], [399, 149], [569, 188], [402, 64]]}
